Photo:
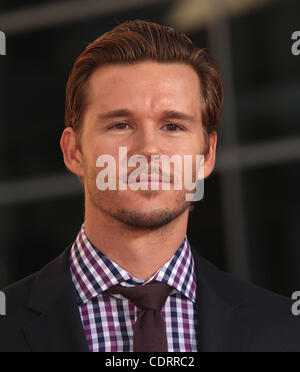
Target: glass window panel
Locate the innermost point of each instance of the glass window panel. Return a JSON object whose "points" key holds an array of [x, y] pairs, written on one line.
{"points": [[266, 73], [35, 233], [271, 197]]}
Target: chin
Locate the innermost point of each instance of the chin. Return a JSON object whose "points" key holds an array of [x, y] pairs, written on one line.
{"points": [[151, 195]]}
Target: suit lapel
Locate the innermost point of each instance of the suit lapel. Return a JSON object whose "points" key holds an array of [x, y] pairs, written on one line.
{"points": [[58, 325], [219, 326]]}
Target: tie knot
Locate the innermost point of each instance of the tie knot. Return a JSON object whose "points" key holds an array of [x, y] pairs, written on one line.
{"points": [[150, 296]]}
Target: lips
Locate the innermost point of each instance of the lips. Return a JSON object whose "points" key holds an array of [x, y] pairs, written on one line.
{"points": [[149, 178], [146, 178]]}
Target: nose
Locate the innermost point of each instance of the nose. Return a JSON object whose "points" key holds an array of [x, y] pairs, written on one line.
{"points": [[147, 141]]}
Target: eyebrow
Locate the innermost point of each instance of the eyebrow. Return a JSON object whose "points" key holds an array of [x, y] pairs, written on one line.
{"points": [[166, 114]]}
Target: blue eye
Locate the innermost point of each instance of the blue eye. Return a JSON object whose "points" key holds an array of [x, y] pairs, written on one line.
{"points": [[175, 127], [119, 125], [172, 127]]}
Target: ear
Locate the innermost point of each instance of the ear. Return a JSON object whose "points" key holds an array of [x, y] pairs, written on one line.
{"points": [[210, 157], [73, 157]]}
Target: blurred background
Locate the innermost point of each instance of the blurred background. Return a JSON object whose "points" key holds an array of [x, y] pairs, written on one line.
{"points": [[249, 220]]}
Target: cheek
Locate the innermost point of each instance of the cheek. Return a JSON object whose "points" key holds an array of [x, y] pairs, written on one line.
{"points": [[94, 148], [192, 158]]}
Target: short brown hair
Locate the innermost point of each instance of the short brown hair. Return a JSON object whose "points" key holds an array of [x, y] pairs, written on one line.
{"points": [[134, 41]]}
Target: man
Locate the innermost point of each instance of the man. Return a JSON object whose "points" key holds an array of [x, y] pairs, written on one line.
{"points": [[148, 89]]}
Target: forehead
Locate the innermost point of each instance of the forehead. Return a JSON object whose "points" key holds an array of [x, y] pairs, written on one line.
{"points": [[145, 85]]}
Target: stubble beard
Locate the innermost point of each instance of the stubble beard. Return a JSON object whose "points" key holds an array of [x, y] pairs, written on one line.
{"points": [[109, 202]]}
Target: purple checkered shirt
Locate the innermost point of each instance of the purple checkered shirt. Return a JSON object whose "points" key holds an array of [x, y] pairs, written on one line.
{"points": [[108, 320]]}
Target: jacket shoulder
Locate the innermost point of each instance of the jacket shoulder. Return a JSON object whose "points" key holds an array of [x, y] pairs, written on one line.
{"points": [[235, 290], [18, 291], [17, 315], [19, 298], [268, 314]]}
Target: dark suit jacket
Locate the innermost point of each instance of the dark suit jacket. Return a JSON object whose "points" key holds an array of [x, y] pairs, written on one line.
{"points": [[232, 315]]}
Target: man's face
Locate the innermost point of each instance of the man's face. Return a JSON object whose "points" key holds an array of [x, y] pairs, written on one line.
{"points": [[147, 90]]}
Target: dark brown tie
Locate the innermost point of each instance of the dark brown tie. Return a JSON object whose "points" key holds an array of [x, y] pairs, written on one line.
{"points": [[149, 332]]}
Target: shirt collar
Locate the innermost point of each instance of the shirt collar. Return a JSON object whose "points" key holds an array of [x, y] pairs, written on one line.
{"points": [[93, 273]]}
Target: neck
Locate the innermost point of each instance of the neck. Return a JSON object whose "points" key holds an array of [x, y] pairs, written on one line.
{"points": [[141, 252]]}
